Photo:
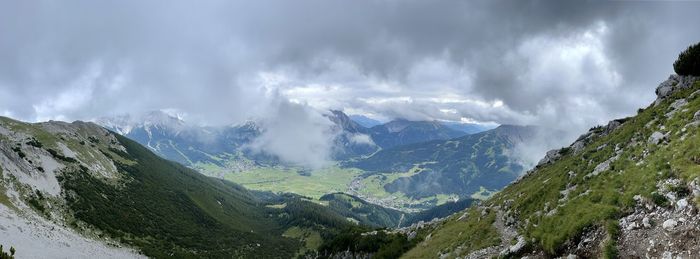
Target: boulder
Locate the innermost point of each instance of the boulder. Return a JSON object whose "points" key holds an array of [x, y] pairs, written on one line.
{"points": [[678, 103], [602, 167], [675, 106], [517, 247], [612, 125], [669, 224], [578, 146], [682, 204], [656, 137], [550, 157], [694, 187]]}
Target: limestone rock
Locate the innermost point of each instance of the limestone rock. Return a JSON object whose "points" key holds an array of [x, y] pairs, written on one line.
{"points": [[673, 84], [656, 137], [551, 156], [669, 224]]}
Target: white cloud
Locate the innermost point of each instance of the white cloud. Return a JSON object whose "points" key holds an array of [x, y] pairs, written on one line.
{"points": [[296, 134], [361, 139]]}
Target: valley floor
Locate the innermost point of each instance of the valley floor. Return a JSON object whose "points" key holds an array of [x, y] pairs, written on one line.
{"points": [[316, 183]]}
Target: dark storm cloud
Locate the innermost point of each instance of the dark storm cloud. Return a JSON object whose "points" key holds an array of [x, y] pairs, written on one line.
{"points": [[566, 65]]}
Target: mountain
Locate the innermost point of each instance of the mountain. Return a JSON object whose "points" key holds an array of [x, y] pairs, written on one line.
{"points": [[177, 140], [462, 166], [469, 128], [224, 147], [365, 121], [79, 190], [402, 132], [352, 139], [629, 189], [344, 122]]}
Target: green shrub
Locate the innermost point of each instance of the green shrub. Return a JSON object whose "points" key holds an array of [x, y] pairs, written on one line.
{"points": [[35, 143], [57, 155], [5, 255], [610, 249], [659, 199], [688, 62], [19, 152]]}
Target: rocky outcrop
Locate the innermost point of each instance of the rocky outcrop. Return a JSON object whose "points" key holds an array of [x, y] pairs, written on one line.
{"points": [[551, 156], [672, 85], [581, 142]]}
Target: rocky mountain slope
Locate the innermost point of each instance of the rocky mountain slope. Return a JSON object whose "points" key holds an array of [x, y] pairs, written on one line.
{"points": [[225, 148], [78, 190], [352, 139], [629, 189], [460, 166], [191, 145]]}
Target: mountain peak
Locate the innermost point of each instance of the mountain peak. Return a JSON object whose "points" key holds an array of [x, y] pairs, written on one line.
{"points": [[124, 124], [344, 122]]}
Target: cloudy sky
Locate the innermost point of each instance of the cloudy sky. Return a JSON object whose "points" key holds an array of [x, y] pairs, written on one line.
{"points": [[566, 65]]}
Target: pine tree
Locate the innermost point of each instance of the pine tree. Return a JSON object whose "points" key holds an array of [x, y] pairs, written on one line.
{"points": [[688, 62]]}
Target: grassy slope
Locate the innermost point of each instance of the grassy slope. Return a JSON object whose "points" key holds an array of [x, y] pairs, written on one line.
{"points": [[596, 199], [474, 233], [168, 209]]}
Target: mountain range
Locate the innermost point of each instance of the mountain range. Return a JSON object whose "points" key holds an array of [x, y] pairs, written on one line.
{"points": [[190, 144], [425, 162], [462, 166]]}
